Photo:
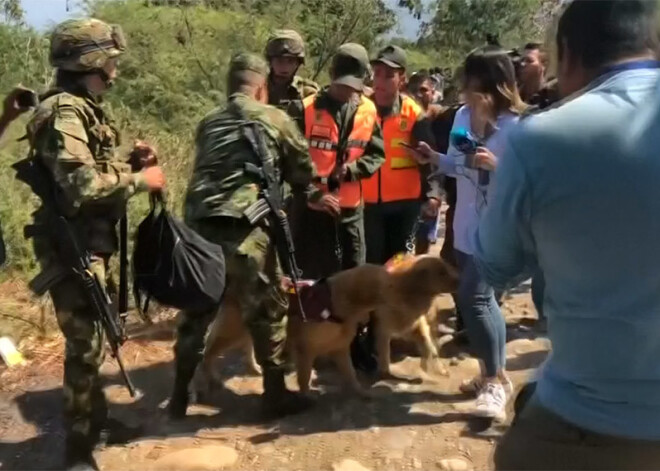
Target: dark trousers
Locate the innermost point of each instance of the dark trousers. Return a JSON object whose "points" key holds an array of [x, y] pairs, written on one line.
{"points": [[447, 252], [538, 292], [387, 228], [316, 235], [540, 440]]}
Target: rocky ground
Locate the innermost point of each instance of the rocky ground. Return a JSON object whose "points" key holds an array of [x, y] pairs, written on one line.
{"points": [[412, 423]]}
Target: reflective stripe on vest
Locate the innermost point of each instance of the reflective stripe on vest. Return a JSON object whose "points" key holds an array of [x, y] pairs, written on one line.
{"points": [[399, 178], [322, 133]]}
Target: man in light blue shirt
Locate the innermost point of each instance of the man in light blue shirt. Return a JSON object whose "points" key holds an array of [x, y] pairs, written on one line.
{"points": [[577, 194]]}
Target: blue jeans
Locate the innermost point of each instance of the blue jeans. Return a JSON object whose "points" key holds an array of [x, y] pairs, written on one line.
{"points": [[483, 318]]}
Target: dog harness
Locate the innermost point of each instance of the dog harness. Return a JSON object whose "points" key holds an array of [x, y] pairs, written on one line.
{"points": [[316, 300]]}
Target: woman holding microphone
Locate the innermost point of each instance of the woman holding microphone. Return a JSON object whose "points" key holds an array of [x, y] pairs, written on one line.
{"points": [[492, 108]]}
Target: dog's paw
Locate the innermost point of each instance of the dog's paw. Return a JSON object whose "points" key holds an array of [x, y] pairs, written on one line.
{"points": [[434, 366]]}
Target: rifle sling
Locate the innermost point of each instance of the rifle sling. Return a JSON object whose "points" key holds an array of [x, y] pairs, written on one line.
{"points": [[123, 265], [345, 124]]}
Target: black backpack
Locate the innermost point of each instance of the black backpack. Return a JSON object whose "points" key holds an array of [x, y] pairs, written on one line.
{"points": [[174, 265]]}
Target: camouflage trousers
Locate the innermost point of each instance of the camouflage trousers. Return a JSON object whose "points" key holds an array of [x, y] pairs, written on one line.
{"points": [[254, 281], [85, 405]]}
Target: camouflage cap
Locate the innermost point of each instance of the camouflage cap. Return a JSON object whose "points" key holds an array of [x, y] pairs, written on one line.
{"points": [[350, 66], [247, 62], [285, 42], [85, 44]]}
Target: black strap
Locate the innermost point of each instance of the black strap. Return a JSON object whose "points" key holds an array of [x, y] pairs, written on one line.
{"points": [[346, 122], [347, 119], [157, 200], [86, 49], [123, 265]]}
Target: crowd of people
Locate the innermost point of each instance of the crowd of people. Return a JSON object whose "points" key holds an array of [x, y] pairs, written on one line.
{"points": [[560, 186]]}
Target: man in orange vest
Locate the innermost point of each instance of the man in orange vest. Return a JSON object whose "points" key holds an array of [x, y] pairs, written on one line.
{"points": [[395, 195], [346, 146]]}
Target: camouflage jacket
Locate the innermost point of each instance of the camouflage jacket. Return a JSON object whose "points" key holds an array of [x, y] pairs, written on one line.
{"points": [[219, 185], [73, 138], [290, 99]]}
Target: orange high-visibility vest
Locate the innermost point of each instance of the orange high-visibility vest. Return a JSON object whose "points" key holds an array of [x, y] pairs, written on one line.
{"points": [[322, 132], [398, 178]]}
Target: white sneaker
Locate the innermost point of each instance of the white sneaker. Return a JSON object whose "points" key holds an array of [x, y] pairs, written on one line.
{"points": [[491, 402], [507, 384]]}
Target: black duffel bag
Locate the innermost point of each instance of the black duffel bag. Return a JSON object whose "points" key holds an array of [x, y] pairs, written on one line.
{"points": [[174, 265]]}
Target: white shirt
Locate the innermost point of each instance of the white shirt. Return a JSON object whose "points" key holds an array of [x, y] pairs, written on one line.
{"points": [[471, 197]]}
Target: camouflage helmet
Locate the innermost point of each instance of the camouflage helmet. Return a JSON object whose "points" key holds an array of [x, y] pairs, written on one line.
{"points": [[285, 42], [85, 44]]}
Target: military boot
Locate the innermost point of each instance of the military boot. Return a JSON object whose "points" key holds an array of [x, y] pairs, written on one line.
{"points": [[78, 453], [116, 432], [277, 400], [178, 404]]}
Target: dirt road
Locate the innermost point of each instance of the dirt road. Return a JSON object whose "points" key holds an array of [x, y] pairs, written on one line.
{"points": [[411, 424]]}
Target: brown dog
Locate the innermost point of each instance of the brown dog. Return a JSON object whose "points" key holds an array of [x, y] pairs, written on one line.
{"points": [[354, 294], [415, 285]]}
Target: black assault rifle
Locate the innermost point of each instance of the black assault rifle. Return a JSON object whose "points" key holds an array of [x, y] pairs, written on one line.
{"points": [[269, 204], [75, 260]]}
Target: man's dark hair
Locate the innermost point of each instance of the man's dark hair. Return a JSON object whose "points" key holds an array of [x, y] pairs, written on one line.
{"points": [[417, 79], [599, 32], [533, 46], [243, 81]]}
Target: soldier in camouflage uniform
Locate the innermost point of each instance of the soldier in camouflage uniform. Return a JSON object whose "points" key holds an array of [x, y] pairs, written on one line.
{"points": [[285, 52], [219, 193], [74, 141]]}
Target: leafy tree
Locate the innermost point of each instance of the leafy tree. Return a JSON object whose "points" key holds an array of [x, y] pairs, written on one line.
{"points": [[325, 25], [329, 24], [416, 7], [12, 11], [460, 25]]}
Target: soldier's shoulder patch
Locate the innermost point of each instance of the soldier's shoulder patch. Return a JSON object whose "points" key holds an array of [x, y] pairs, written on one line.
{"points": [[67, 99], [67, 120]]}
